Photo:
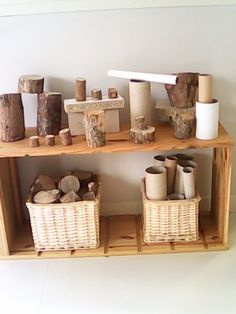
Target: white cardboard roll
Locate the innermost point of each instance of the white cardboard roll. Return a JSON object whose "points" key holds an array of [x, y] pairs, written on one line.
{"points": [[150, 77], [140, 101], [159, 160], [189, 182], [207, 116], [156, 183]]}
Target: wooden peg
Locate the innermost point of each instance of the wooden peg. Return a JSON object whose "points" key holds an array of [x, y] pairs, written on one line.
{"points": [[65, 137], [94, 123], [80, 89], [34, 141], [96, 94], [112, 93], [32, 84], [50, 140]]}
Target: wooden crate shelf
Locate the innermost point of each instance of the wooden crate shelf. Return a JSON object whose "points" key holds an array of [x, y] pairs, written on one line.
{"points": [[120, 235]]}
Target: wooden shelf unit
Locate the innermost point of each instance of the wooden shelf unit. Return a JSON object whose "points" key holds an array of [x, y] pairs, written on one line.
{"points": [[120, 235]]}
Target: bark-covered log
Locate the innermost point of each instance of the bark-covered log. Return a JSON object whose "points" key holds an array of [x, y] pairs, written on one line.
{"points": [[184, 93], [65, 137], [183, 122], [49, 113], [80, 89], [34, 141], [94, 123], [112, 93], [70, 197], [32, 84], [12, 125], [142, 136], [50, 140], [47, 197], [96, 94]]}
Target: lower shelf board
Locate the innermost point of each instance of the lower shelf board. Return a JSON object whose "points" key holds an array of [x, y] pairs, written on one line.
{"points": [[121, 235]]}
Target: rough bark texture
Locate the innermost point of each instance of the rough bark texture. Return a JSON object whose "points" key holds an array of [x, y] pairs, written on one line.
{"points": [[140, 123], [142, 136], [49, 114], [12, 125], [94, 128], [96, 94], [80, 89], [43, 183], [34, 141], [184, 93], [183, 122], [112, 93], [50, 140], [65, 137], [32, 84]]}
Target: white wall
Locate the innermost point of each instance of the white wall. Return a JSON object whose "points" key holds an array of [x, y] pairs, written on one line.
{"points": [[64, 46]]}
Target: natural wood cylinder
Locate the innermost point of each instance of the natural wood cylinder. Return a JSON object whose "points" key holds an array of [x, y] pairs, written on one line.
{"points": [[80, 89], [12, 126], [34, 141], [140, 123], [49, 113], [50, 140], [96, 94], [65, 137], [112, 93], [94, 123], [32, 84], [183, 121]]}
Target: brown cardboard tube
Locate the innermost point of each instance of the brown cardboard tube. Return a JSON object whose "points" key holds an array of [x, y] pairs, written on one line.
{"points": [[189, 182], [205, 88], [170, 164]]}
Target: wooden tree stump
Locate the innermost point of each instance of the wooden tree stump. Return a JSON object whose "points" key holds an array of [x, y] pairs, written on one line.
{"points": [[12, 125], [112, 93], [141, 133], [50, 140], [96, 94], [184, 93], [43, 183], [34, 141], [47, 197], [183, 121], [49, 113], [65, 137], [69, 183], [80, 89], [70, 197], [32, 84], [94, 123]]}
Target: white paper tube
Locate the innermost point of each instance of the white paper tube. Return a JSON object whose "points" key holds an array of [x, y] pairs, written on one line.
{"points": [[140, 101], [205, 88], [156, 183], [159, 160], [189, 182], [175, 196], [170, 164], [207, 116], [150, 77]]}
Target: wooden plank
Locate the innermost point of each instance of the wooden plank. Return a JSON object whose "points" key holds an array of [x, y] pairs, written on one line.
{"points": [[221, 183], [116, 142]]}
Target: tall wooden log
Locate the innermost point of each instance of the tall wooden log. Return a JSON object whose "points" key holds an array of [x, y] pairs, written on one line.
{"points": [[50, 140], [32, 84], [112, 93], [34, 141], [80, 89], [94, 123], [12, 125], [49, 113], [184, 93]]}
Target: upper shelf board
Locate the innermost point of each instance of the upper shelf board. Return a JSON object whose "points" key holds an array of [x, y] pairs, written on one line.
{"points": [[23, 7], [116, 142]]}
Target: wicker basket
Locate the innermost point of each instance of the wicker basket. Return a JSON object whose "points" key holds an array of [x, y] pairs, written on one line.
{"points": [[66, 226], [170, 221]]}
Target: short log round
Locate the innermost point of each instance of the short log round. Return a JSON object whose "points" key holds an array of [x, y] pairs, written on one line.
{"points": [[142, 136], [32, 84], [96, 94], [34, 141], [65, 137]]}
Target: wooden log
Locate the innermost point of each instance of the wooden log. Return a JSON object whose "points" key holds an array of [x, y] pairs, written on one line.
{"points": [[89, 196], [12, 126], [65, 137], [33, 141], [69, 183], [112, 93], [49, 113], [43, 183], [70, 197], [140, 123], [183, 122], [84, 177], [47, 197], [184, 93], [93, 187], [80, 89], [142, 136], [94, 123], [32, 84], [50, 140], [96, 94]]}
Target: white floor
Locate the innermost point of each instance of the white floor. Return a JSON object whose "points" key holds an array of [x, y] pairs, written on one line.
{"points": [[178, 283]]}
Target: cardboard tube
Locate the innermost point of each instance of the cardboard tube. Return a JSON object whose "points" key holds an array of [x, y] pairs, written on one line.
{"points": [[159, 160], [150, 77], [156, 183], [191, 164], [170, 164], [140, 101], [205, 88], [189, 182], [207, 116]]}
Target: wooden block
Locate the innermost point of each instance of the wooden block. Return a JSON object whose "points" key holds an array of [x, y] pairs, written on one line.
{"points": [[112, 122], [71, 105]]}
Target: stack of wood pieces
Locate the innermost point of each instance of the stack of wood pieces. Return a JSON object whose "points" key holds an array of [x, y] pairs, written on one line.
{"points": [[73, 186], [141, 133]]}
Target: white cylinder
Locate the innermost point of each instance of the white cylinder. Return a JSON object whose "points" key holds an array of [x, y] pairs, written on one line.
{"points": [[156, 183], [189, 182], [189, 163], [159, 160], [207, 116], [140, 101]]}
